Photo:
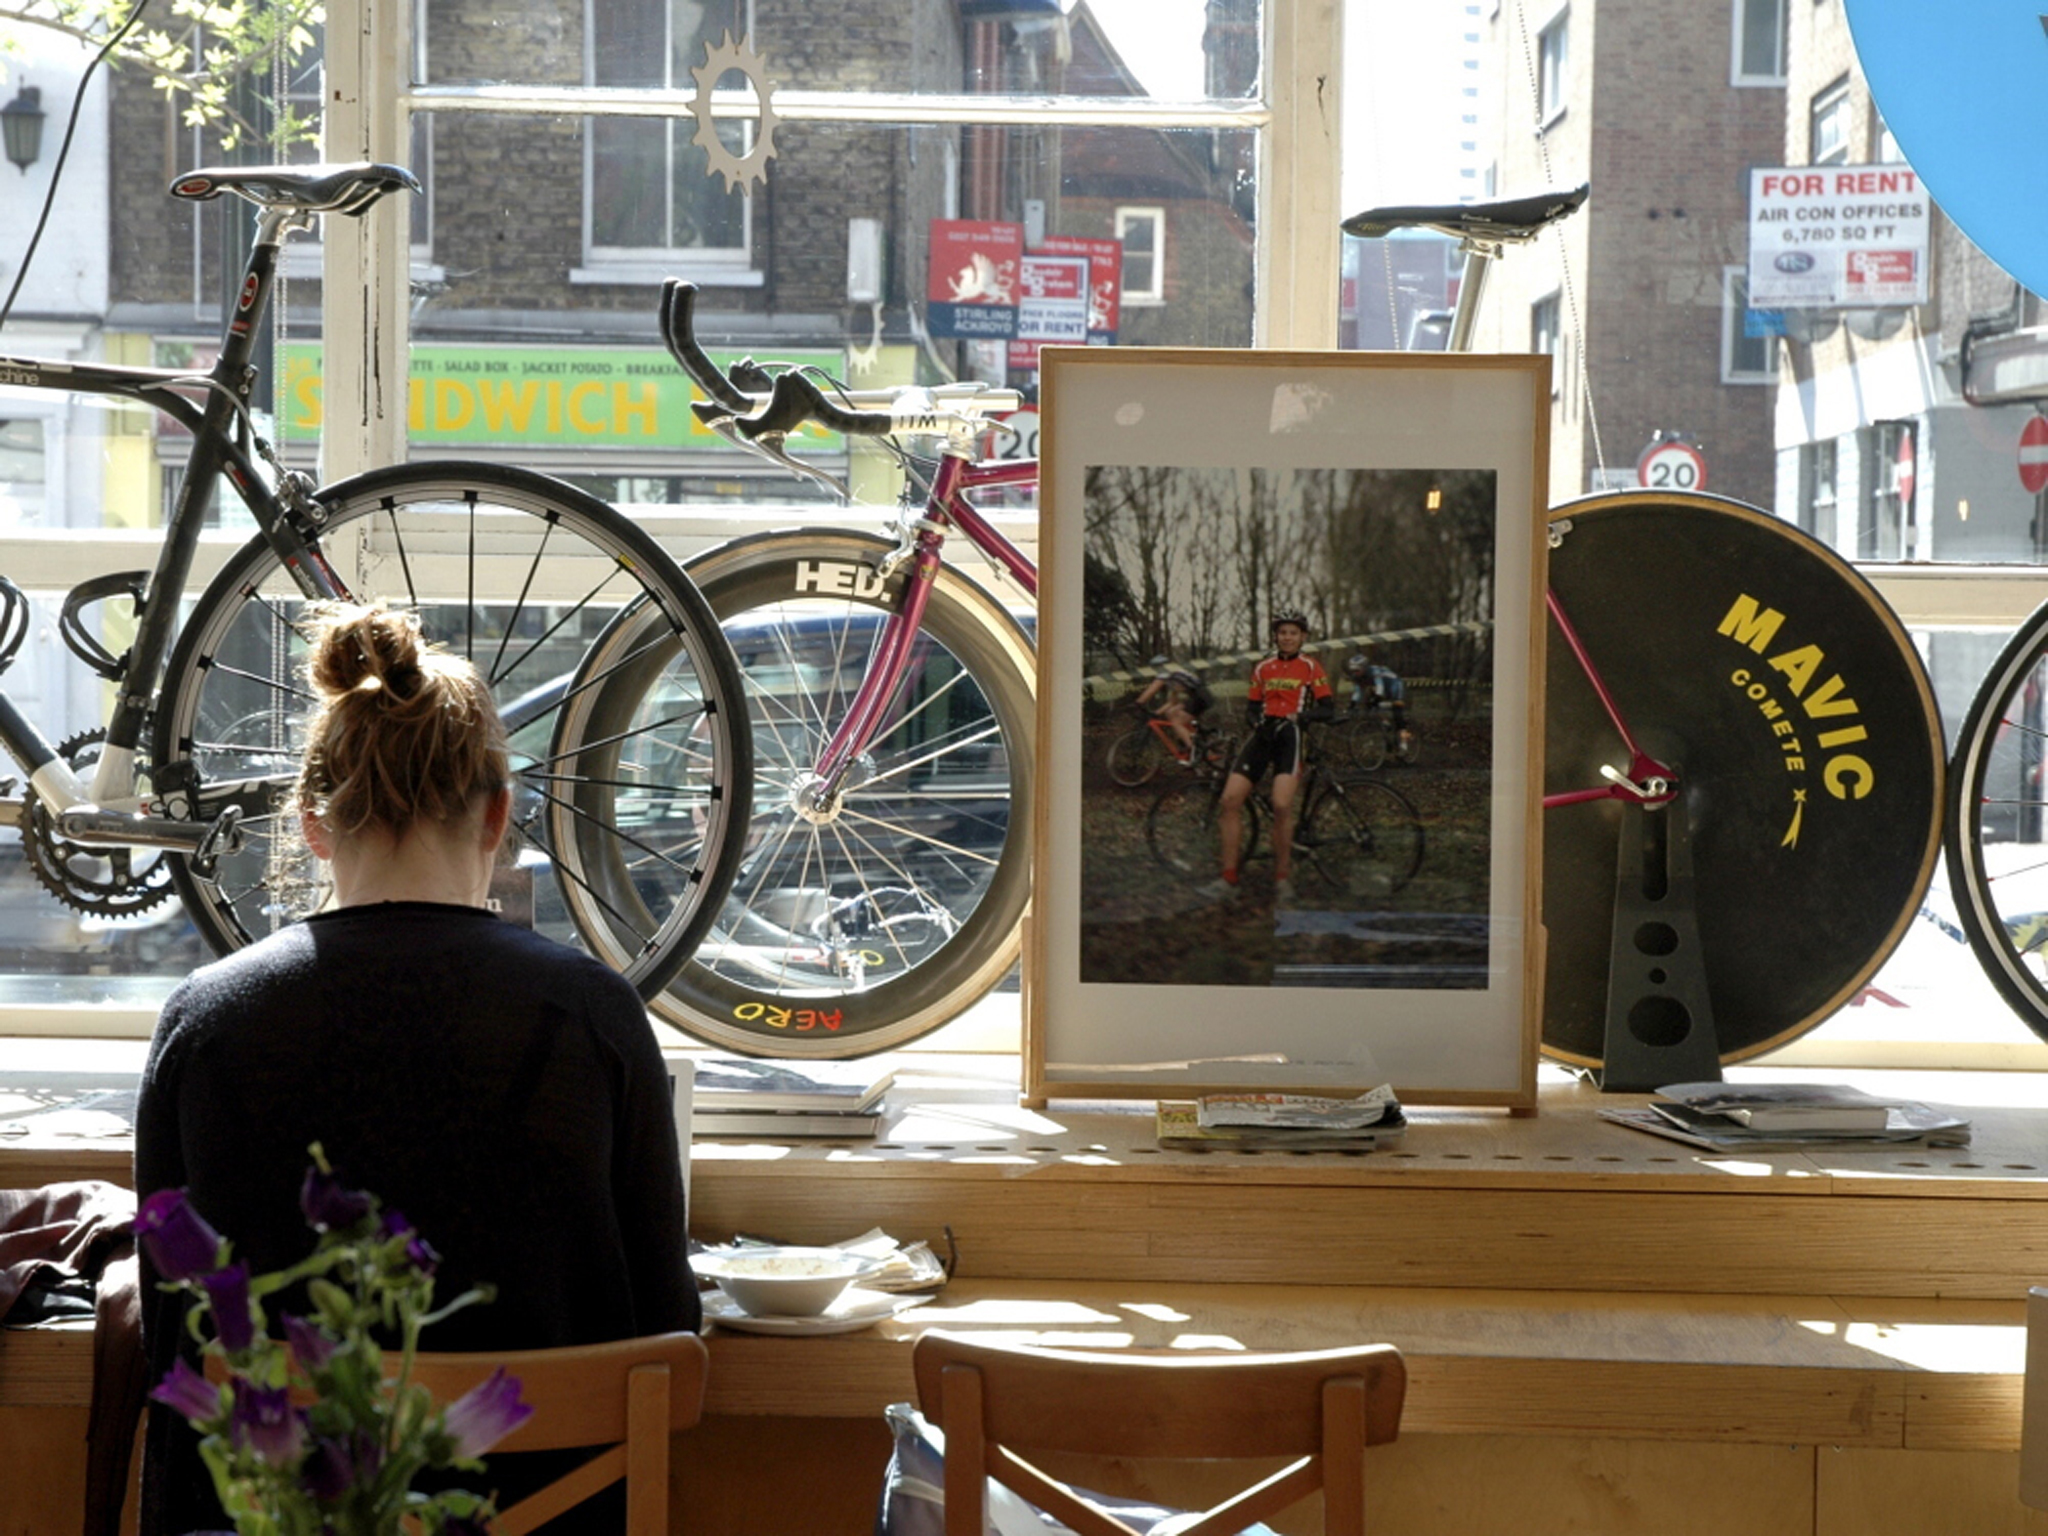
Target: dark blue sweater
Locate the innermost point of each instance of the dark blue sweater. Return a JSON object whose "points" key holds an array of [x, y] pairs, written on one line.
{"points": [[503, 1092]]}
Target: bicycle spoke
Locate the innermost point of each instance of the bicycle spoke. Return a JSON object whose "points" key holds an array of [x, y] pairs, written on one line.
{"points": [[920, 837], [518, 606]]}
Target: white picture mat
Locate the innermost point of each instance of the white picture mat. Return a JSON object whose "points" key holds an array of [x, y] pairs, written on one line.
{"points": [[1289, 411]]}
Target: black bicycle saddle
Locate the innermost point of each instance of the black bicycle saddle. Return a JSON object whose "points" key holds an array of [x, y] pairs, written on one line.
{"points": [[309, 188], [1510, 218]]}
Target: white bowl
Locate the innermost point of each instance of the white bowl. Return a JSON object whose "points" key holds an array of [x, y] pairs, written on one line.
{"points": [[785, 1282]]}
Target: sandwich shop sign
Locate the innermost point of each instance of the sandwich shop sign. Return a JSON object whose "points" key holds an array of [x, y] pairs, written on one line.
{"points": [[1836, 237]]}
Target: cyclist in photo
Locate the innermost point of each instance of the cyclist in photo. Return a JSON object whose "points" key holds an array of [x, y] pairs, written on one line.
{"points": [[1287, 688], [1183, 699], [1373, 685]]}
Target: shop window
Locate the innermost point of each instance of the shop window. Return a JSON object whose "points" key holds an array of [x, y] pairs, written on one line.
{"points": [[1143, 233], [1759, 43]]}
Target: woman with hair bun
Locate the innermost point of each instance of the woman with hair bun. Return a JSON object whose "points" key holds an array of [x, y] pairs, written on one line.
{"points": [[503, 1092]]}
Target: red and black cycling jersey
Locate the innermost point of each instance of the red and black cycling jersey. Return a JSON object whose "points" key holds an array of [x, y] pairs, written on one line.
{"points": [[1284, 686]]}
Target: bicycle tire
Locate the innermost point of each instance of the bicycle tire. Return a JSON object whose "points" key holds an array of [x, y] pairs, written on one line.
{"points": [[929, 872], [1993, 829], [628, 863], [1361, 838], [1364, 744], [1183, 833], [1134, 757]]}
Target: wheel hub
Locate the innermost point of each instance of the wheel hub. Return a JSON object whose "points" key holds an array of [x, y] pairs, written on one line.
{"points": [[816, 802]]}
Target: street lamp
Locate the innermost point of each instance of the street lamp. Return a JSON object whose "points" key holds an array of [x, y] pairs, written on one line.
{"points": [[21, 122]]}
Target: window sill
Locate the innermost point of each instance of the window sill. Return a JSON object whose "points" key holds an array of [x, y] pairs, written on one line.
{"points": [[654, 274]]}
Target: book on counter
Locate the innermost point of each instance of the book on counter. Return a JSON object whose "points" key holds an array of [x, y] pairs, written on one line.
{"points": [[1760, 1117], [1273, 1122], [784, 1124], [734, 1083], [1782, 1106]]}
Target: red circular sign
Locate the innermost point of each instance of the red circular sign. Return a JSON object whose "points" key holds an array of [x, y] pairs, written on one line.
{"points": [[1902, 474], [1671, 465], [2034, 454]]}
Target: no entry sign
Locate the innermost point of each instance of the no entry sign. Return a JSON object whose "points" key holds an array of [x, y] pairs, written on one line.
{"points": [[2034, 454]]}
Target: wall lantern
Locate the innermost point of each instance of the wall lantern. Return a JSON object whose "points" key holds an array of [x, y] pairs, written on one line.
{"points": [[21, 121]]}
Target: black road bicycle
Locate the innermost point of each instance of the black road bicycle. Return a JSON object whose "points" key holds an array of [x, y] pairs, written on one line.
{"points": [[632, 753]]}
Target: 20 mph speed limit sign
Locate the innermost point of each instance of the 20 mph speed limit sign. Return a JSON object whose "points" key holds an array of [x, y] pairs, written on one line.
{"points": [[1672, 467]]}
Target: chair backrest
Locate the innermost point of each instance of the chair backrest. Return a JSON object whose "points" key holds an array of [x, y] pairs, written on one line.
{"points": [[629, 1394], [1324, 1408]]}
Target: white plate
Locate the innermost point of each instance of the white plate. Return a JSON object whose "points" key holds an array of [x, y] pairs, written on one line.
{"points": [[856, 1308]]}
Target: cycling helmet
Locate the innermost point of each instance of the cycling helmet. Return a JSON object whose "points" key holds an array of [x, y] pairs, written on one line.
{"points": [[1160, 661], [1292, 616], [1359, 664]]}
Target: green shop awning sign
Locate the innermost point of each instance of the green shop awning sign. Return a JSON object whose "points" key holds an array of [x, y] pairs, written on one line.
{"points": [[594, 397]]}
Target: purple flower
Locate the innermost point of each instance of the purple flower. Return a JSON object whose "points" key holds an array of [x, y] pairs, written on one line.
{"points": [[187, 1393], [310, 1347], [329, 1207], [486, 1414], [228, 1290], [417, 1248], [177, 1239], [264, 1422], [336, 1466]]}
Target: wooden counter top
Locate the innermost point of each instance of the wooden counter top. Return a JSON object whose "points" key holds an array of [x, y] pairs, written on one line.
{"points": [[1806, 1370]]}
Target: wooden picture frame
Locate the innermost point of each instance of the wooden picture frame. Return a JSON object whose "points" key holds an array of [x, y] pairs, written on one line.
{"points": [[1400, 501]]}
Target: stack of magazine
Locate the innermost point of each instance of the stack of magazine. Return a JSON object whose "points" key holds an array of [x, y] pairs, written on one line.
{"points": [[774, 1100], [1777, 1116], [1284, 1122]]}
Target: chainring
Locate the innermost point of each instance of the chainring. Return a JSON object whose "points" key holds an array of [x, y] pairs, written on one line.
{"points": [[99, 882]]}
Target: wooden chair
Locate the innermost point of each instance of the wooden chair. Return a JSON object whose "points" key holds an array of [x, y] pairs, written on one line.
{"points": [[1323, 1407], [630, 1394]]}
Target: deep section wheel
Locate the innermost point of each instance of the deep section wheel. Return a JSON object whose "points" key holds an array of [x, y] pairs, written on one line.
{"points": [[864, 918]]}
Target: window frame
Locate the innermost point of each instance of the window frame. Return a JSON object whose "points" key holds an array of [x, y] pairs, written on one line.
{"points": [[1734, 304], [1553, 67], [1128, 214], [1738, 42], [725, 266], [373, 92], [1830, 104]]}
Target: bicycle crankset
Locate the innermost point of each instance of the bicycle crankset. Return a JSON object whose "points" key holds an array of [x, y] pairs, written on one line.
{"points": [[100, 882]]}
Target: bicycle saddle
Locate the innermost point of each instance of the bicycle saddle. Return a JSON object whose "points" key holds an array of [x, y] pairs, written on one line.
{"points": [[1510, 218], [309, 188]]}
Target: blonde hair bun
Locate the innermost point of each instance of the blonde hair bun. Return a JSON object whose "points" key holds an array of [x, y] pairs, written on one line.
{"points": [[405, 729]]}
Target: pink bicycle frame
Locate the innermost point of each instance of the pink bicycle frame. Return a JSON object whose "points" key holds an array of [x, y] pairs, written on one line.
{"points": [[946, 506]]}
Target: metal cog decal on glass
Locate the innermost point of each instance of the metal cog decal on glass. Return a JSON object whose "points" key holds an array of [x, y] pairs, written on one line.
{"points": [[740, 171]]}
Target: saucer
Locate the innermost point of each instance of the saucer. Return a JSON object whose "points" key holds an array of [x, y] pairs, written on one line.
{"points": [[856, 1308]]}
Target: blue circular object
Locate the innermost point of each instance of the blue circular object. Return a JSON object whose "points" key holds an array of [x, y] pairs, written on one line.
{"points": [[1964, 89]]}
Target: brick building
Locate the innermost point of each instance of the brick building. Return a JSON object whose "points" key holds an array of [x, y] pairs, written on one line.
{"points": [[553, 230], [1644, 311]]}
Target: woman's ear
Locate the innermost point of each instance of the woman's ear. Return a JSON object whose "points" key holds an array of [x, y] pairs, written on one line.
{"points": [[314, 830], [497, 817]]}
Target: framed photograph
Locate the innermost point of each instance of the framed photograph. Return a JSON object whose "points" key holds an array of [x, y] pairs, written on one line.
{"points": [[1290, 719]]}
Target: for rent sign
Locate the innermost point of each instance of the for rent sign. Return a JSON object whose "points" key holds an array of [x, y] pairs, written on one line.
{"points": [[1836, 237]]}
